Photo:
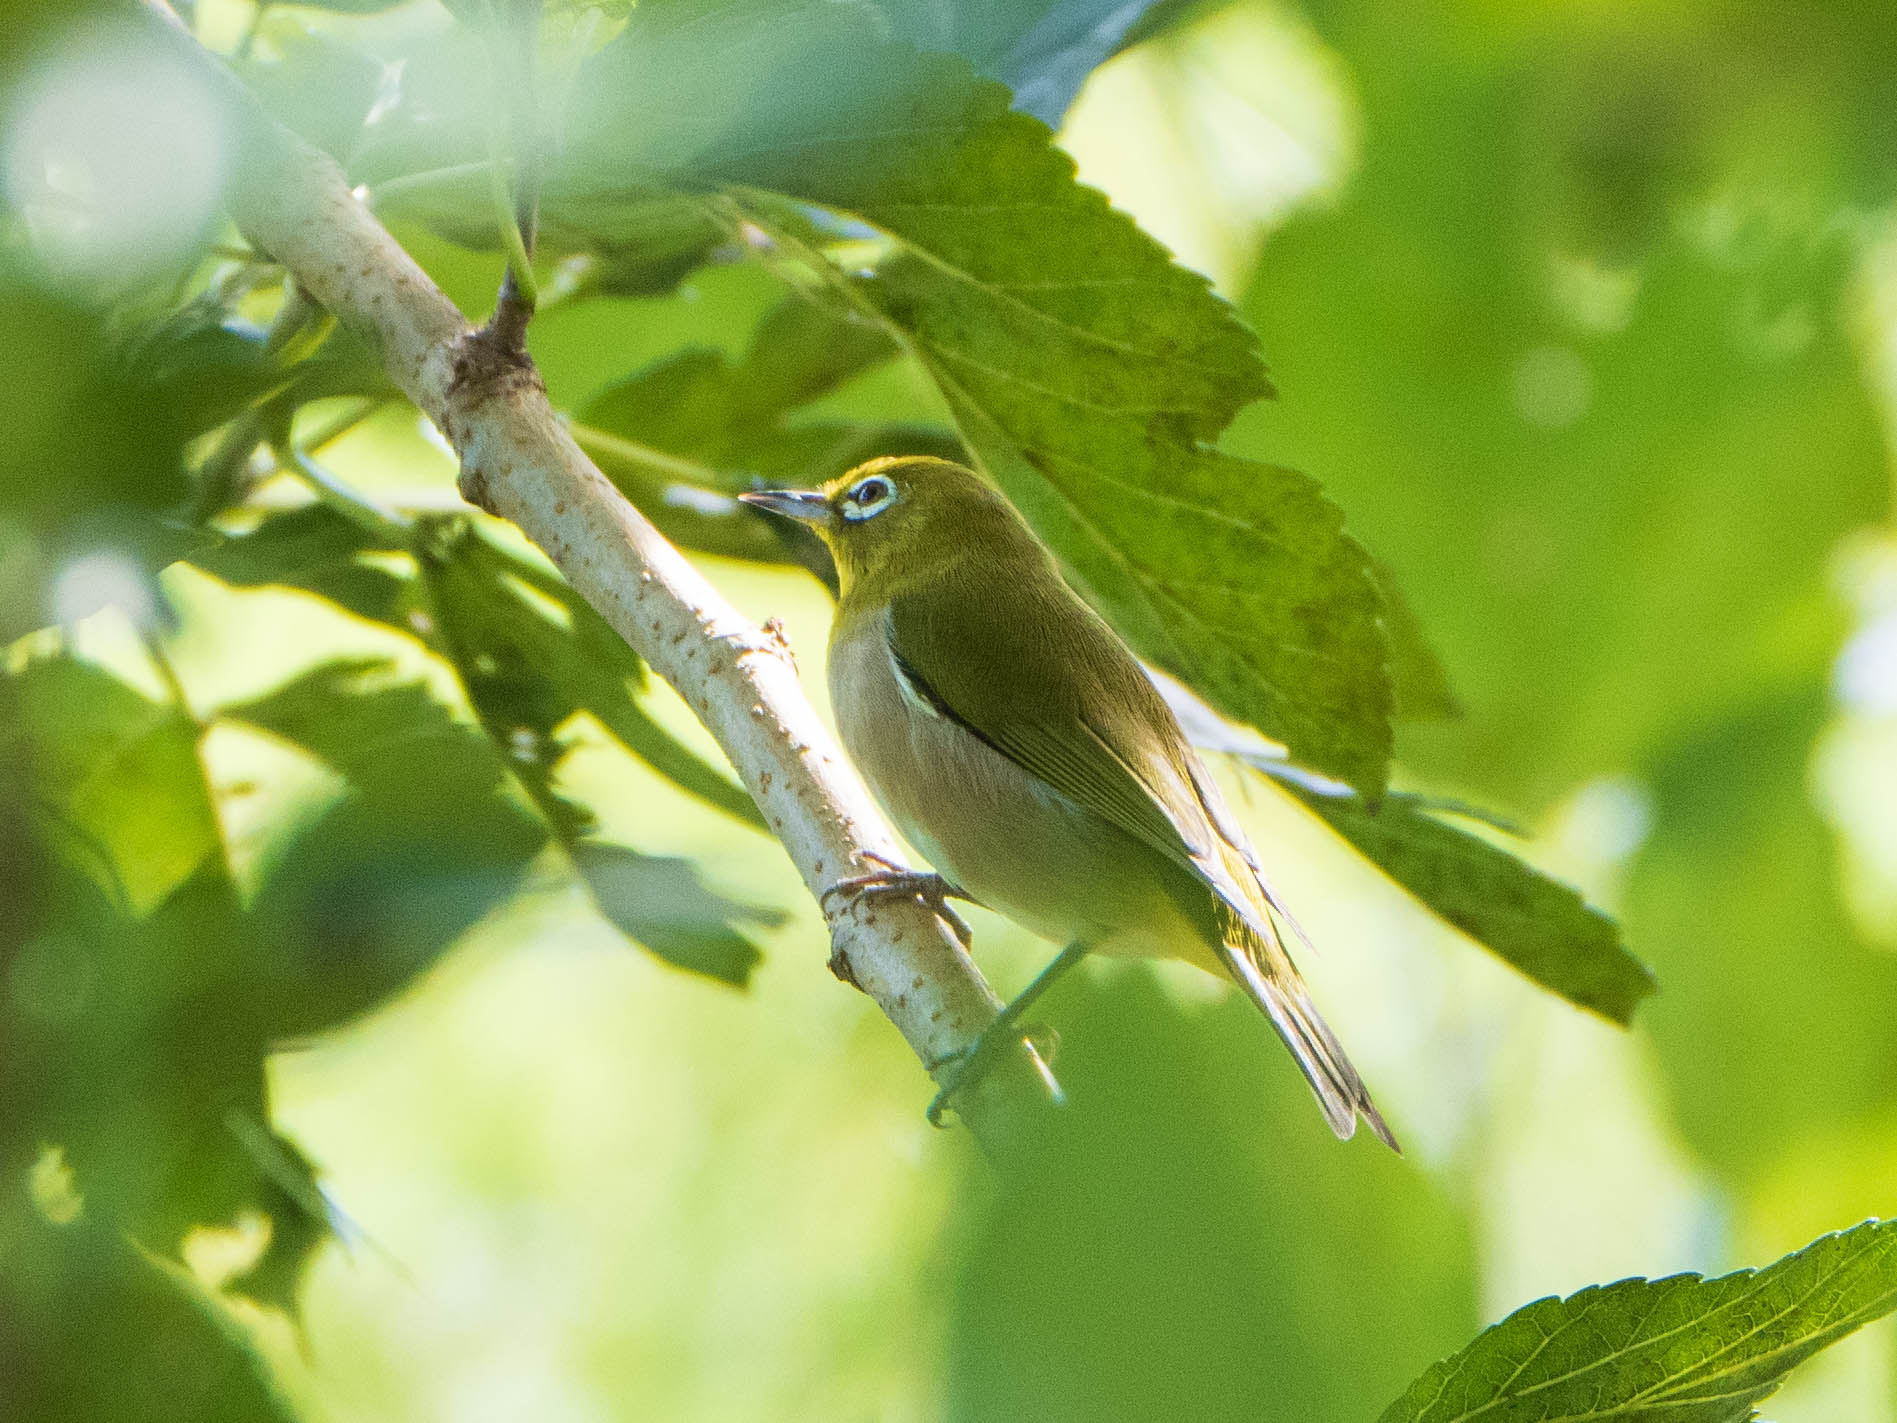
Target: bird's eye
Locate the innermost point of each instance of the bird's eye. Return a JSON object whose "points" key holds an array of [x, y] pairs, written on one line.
{"points": [[869, 496]]}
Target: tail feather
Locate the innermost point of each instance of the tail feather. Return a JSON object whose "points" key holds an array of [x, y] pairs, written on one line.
{"points": [[1252, 948], [1271, 981]]}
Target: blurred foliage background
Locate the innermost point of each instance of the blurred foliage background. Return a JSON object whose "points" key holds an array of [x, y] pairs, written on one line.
{"points": [[1585, 312]]}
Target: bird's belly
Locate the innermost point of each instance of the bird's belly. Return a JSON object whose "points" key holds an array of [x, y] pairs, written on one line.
{"points": [[1014, 843]]}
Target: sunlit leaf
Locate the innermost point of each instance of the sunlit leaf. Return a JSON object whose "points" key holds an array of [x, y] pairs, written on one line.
{"points": [[1683, 1349], [116, 776]]}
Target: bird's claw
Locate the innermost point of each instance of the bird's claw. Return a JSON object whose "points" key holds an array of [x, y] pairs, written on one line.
{"points": [[895, 879], [955, 1069]]}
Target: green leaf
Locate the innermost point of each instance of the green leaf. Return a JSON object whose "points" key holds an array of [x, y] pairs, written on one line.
{"points": [[79, 1295], [1043, 51], [1086, 371], [1420, 681], [92, 458], [319, 551], [558, 640], [387, 734], [660, 902], [1682, 1350], [1778, 1028], [138, 991], [116, 774], [1537, 925], [806, 346]]}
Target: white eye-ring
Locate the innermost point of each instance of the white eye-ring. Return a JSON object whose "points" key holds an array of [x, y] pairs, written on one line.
{"points": [[868, 497]]}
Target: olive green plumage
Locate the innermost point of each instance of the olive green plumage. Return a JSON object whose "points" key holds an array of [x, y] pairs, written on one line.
{"points": [[1018, 744]]}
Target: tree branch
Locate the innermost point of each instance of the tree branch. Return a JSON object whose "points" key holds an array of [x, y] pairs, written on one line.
{"points": [[518, 462]]}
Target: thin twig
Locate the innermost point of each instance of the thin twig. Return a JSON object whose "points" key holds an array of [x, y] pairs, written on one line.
{"points": [[511, 48]]}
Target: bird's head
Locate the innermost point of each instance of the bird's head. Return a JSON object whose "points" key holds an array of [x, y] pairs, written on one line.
{"points": [[897, 519]]}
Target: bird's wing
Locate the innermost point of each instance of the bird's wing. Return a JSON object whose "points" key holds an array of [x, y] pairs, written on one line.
{"points": [[1051, 687]]}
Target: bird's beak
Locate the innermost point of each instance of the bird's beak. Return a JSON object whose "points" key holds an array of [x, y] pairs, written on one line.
{"points": [[809, 505]]}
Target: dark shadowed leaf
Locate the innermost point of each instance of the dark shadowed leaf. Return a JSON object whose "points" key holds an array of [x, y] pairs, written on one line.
{"points": [[76, 1296], [93, 456], [1678, 1350], [688, 432], [1041, 49]]}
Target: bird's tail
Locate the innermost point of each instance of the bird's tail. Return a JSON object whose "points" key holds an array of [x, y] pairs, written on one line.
{"points": [[1265, 971]]}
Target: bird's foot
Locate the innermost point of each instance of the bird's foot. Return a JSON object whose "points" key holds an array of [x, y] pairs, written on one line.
{"points": [[960, 1071], [898, 880], [967, 1067]]}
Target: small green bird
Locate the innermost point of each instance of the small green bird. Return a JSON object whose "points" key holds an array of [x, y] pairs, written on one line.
{"points": [[1017, 743]]}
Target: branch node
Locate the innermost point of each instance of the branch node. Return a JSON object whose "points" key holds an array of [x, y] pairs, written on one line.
{"points": [[513, 310], [484, 367], [472, 484], [841, 968]]}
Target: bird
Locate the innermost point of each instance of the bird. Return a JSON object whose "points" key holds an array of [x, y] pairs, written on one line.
{"points": [[1019, 745]]}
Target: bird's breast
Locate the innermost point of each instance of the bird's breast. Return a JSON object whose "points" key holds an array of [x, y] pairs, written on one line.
{"points": [[993, 829]]}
